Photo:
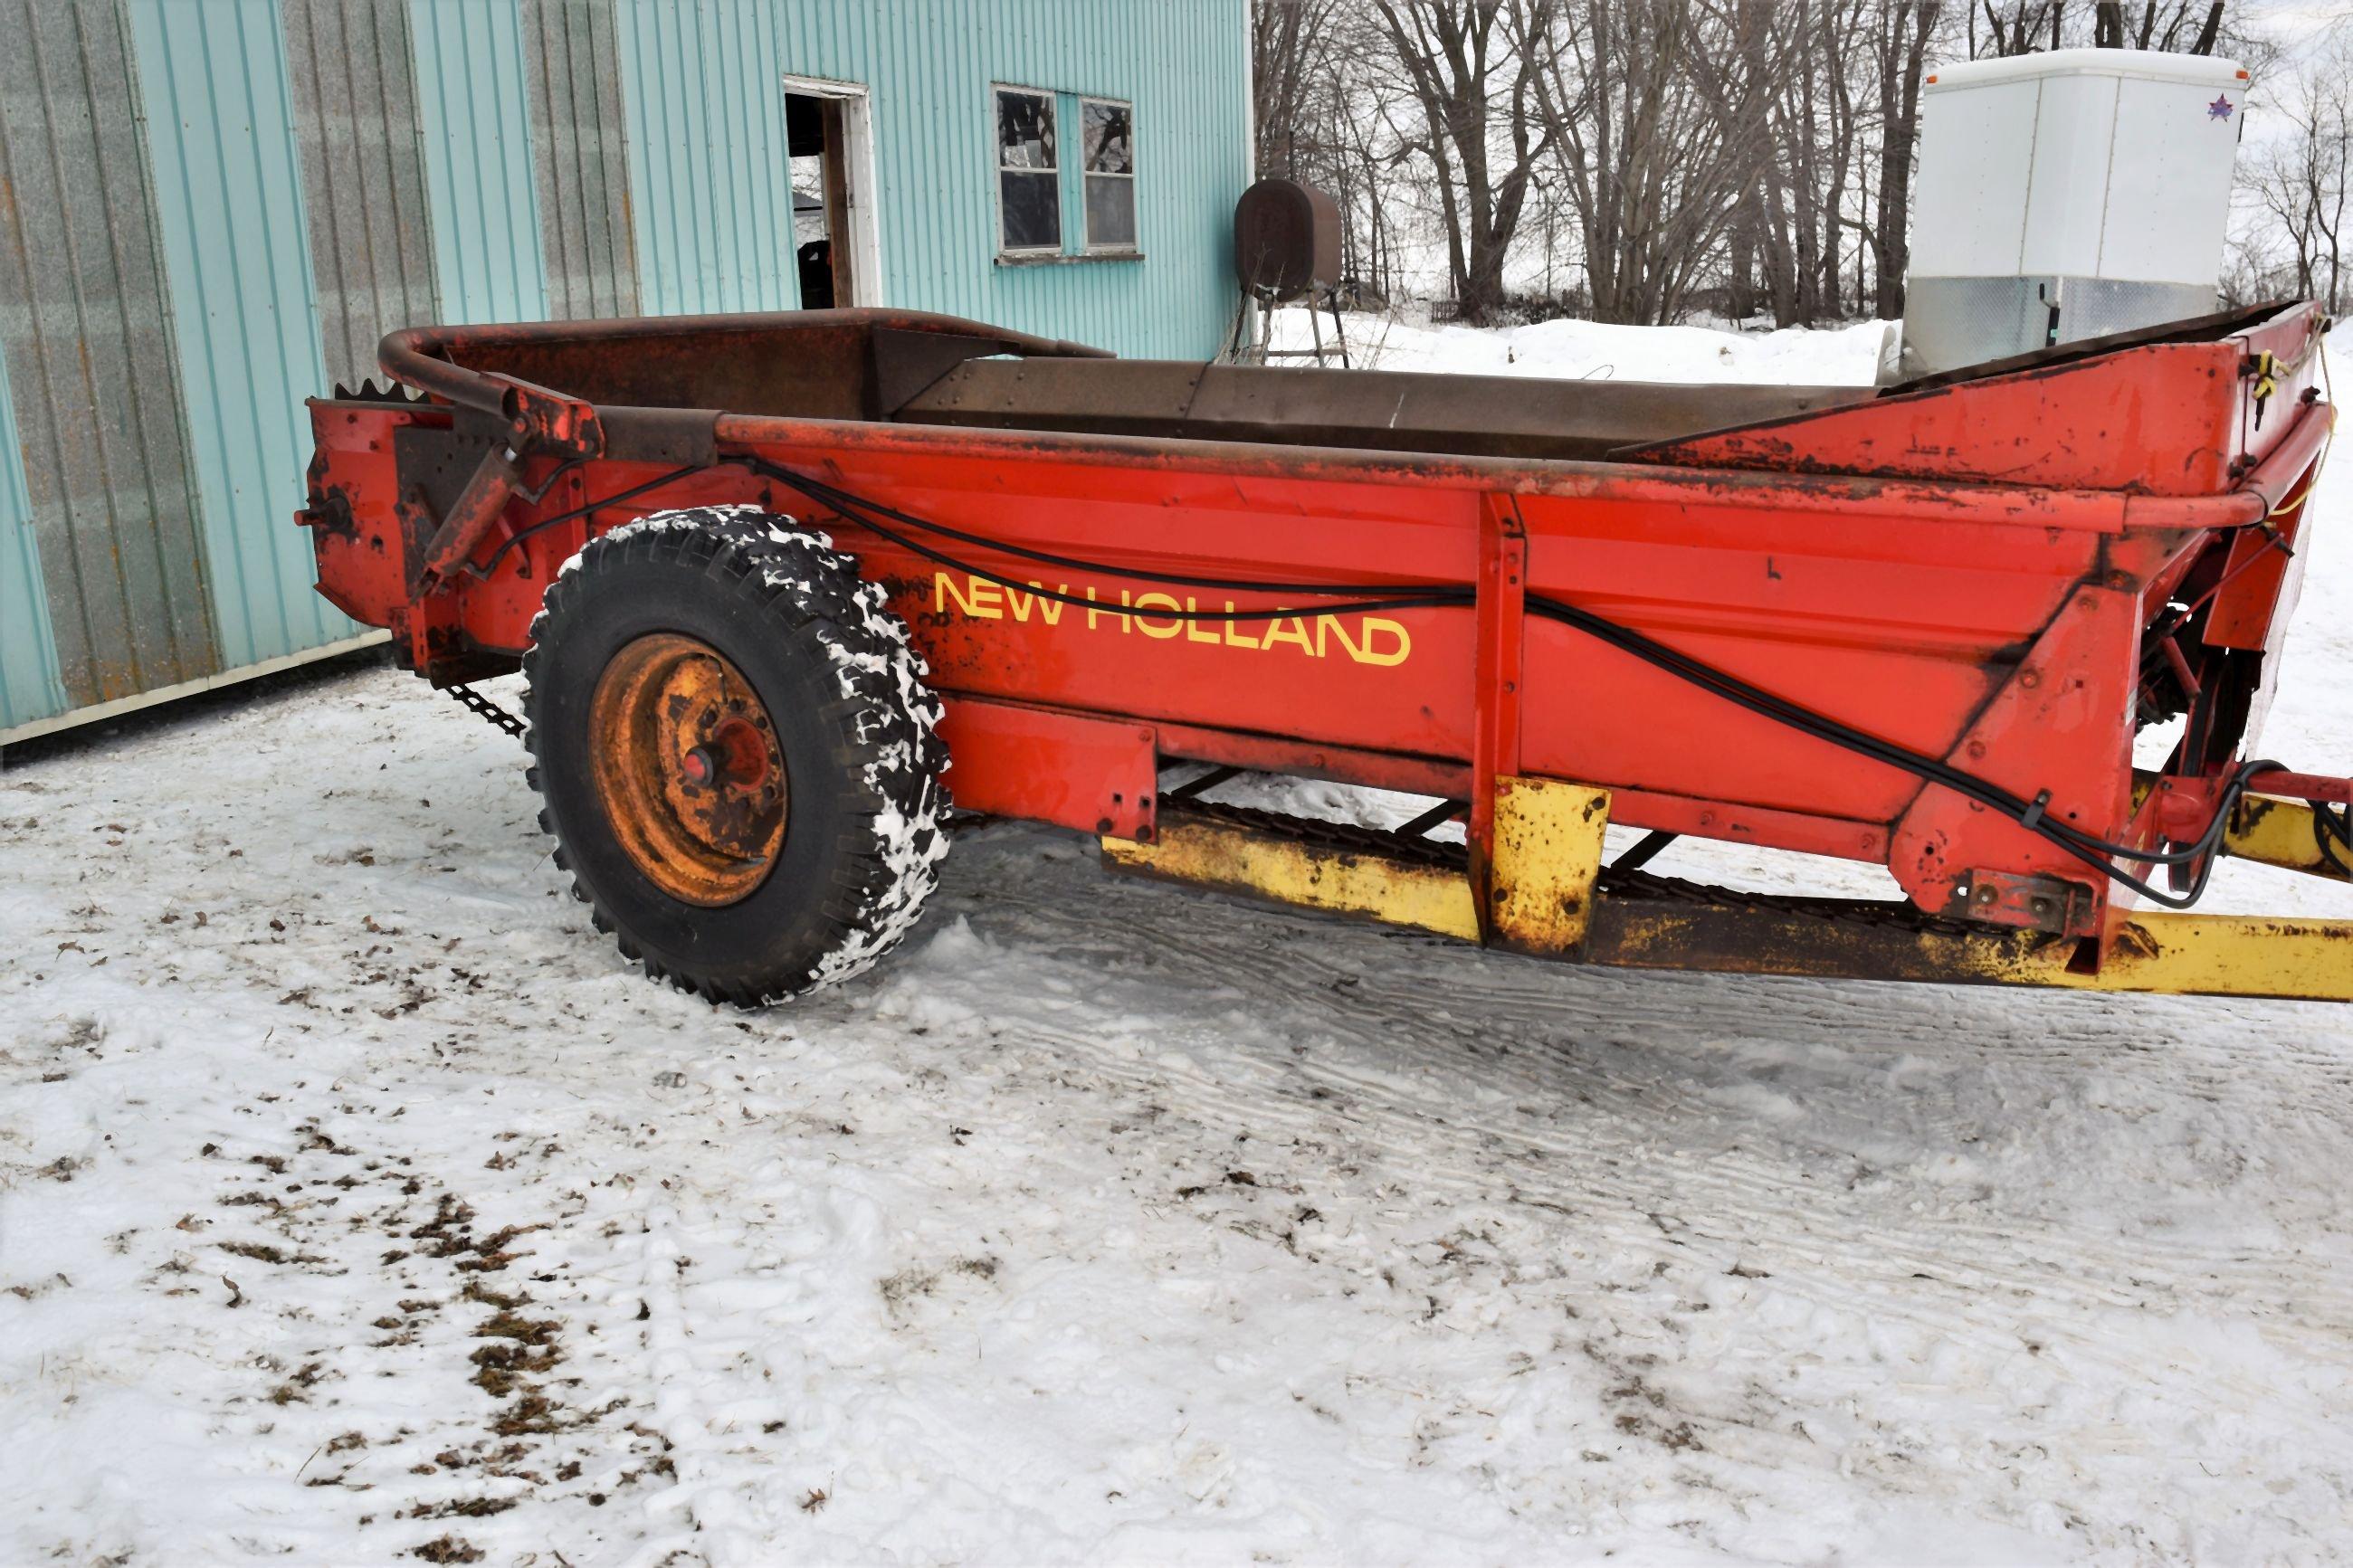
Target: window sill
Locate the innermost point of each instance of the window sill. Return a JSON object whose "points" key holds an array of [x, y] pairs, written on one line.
{"points": [[1061, 259]]}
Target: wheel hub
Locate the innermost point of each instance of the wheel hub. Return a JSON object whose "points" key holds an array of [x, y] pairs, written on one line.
{"points": [[688, 769]]}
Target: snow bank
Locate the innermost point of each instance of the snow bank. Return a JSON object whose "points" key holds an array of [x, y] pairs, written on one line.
{"points": [[1575, 351]]}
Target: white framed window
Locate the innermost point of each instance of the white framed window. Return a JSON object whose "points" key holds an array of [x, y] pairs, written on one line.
{"points": [[1108, 143], [1029, 173]]}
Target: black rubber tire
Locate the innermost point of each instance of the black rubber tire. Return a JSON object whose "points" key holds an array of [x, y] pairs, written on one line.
{"points": [[858, 727]]}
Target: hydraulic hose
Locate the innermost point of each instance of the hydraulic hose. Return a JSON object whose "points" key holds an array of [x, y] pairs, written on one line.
{"points": [[2031, 814]]}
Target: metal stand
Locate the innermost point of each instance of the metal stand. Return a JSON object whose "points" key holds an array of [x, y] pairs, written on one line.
{"points": [[1262, 351]]}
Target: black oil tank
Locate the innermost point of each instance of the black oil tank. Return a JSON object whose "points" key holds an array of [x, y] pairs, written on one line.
{"points": [[1286, 239]]}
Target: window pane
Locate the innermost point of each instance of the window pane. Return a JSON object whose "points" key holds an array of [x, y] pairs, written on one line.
{"points": [[1025, 131], [1033, 210], [1109, 148], [1111, 211]]}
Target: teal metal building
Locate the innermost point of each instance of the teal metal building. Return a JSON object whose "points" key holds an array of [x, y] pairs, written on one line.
{"points": [[212, 209]]}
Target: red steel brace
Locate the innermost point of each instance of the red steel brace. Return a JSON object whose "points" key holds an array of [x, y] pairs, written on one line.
{"points": [[1497, 662], [2313, 787], [539, 422]]}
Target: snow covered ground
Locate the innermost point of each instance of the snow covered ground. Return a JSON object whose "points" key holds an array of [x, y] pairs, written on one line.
{"points": [[1578, 351], [357, 1206]]}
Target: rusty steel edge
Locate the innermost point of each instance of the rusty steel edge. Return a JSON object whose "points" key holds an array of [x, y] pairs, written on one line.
{"points": [[2091, 512], [416, 355]]}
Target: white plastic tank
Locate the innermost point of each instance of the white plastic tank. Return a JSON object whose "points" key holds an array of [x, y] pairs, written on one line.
{"points": [[2066, 195]]}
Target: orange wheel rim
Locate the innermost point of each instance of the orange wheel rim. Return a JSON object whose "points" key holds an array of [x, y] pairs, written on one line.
{"points": [[688, 769]]}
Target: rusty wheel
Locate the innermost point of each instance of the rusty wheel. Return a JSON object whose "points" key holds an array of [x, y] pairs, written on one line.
{"points": [[688, 769], [736, 753]]}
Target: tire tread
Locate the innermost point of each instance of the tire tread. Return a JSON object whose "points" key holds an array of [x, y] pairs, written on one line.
{"points": [[815, 603]]}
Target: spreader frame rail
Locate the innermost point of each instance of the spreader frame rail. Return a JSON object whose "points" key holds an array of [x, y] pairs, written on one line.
{"points": [[1560, 903]]}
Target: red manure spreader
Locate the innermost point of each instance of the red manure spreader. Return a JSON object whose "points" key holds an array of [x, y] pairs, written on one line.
{"points": [[786, 586]]}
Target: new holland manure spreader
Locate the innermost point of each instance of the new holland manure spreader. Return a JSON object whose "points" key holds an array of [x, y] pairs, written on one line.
{"points": [[770, 575], [784, 587]]}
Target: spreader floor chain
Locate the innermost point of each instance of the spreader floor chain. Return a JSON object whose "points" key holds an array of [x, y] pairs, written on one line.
{"points": [[1550, 896]]}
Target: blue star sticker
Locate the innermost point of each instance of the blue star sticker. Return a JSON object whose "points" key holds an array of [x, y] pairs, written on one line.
{"points": [[2220, 108]]}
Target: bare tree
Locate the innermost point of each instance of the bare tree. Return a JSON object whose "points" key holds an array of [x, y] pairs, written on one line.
{"points": [[1654, 129], [1325, 93], [2300, 180], [1833, 44], [1735, 156], [2183, 27], [2015, 26], [1480, 133], [1901, 33], [2001, 28], [1287, 50], [1815, 128]]}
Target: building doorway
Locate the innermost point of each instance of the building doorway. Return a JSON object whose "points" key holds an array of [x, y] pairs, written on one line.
{"points": [[829, 144]]}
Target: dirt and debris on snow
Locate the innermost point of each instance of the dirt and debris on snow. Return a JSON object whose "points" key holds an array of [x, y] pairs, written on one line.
{"points": [[358, 1204]]}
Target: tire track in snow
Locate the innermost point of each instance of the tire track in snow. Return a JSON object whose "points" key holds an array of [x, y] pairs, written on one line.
{"points": [[1374, 988], [750, 1294], [674, 1382], [1110, 1041]]}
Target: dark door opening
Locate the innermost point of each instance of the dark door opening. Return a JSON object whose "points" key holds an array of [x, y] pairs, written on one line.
{"points": [[817, 138]]}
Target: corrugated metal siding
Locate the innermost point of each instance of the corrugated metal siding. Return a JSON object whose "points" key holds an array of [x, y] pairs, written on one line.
{"points": [[714, 204], [228, 190], [578, 165], [169, 295], [470, 91], [30, 685], [703, 80], [363, 174], [82, 319]]}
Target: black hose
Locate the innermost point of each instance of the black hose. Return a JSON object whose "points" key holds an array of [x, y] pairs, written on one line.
{"points": [[2031, 815], [482, 574], [2332, 830]]}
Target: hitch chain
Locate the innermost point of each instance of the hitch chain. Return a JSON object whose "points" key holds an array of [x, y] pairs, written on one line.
{"points": [[489, 711]]}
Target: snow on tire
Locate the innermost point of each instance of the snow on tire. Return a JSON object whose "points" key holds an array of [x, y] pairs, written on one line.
{"points": [[736, 753]]}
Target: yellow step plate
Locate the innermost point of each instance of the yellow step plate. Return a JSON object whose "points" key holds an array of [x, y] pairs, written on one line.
{"points": [[1547, 853]]}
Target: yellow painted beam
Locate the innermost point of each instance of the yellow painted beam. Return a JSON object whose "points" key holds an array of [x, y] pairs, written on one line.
{"points": [[2159, 951], [2265, 829], [1547, 836], [2186, 953], [2278, 833], [1272, 865]]}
